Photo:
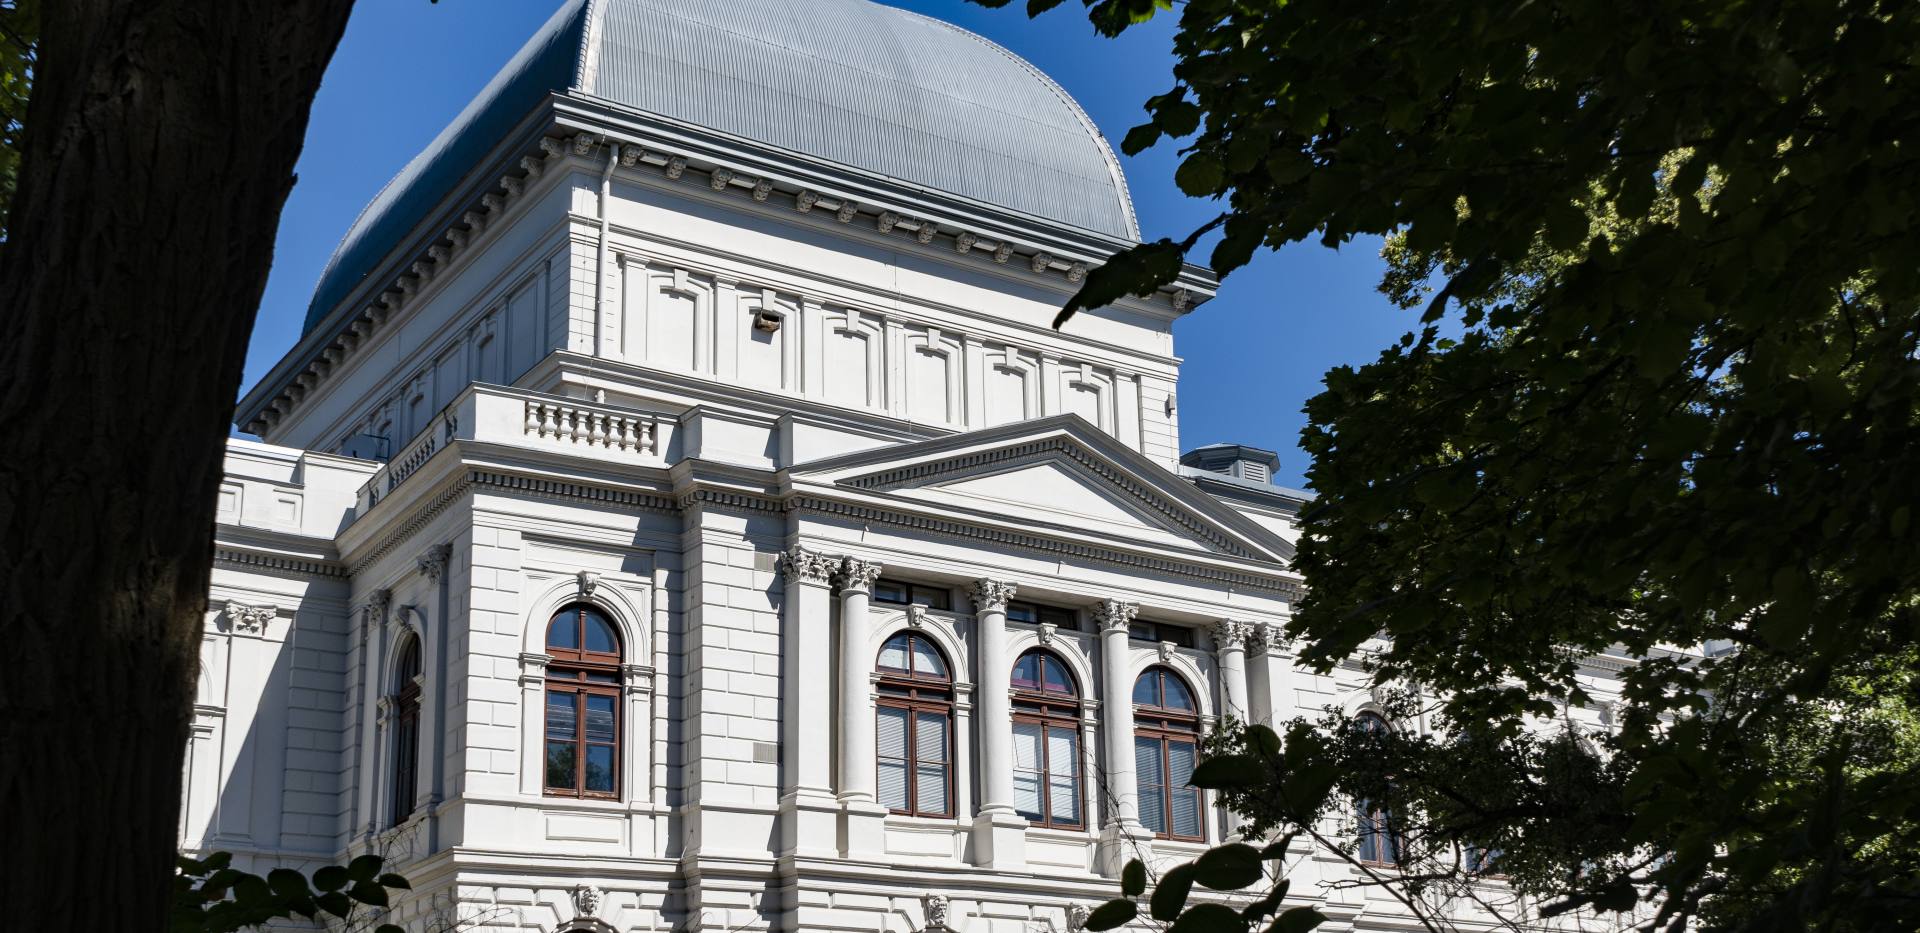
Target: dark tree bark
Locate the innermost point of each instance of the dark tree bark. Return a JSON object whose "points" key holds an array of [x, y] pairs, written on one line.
{"points": [[160, 145]]}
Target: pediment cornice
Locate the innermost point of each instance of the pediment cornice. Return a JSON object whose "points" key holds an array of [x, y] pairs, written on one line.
{"points": [[1059, 449]]}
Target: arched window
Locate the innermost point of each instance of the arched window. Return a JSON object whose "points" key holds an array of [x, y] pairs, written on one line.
{"points": [[1379, 842], [1166, 745], [914, 737], [1046, 741], [406, 732], [583, 703]]}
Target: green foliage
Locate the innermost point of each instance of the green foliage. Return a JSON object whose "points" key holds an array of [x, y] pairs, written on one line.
{"points": [[19, 38], [210, 896], [1673, 403]]}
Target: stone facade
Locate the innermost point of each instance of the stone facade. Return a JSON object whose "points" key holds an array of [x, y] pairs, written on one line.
{"points": [[737, 421]]}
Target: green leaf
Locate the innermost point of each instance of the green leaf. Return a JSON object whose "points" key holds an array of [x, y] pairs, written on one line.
{"points": [[1229, 772], [1567, 226], [336, 903], [1140, 138], [1209, 918], [1229, 867], [287, 883], [365, 868], [1263, 740], [1133, 878], [1114, 913], [367, 892], [1200, 175], [391, 880], [331, 878], [1170, 895], [1297, 920]]}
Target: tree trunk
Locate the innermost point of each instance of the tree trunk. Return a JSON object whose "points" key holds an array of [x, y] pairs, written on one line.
{"points": [[159, 149]]}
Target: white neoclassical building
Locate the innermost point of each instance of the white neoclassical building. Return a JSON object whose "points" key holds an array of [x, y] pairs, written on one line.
{"points": [[678, 513]]}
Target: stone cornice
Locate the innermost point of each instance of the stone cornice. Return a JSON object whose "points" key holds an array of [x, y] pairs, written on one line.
{"points": [[265, 560], [1037, 542], [1043, 449]]}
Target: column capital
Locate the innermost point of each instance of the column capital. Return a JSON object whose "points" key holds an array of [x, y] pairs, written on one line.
{"points": [[801, 564], [992, 595], [857, 576], [433, 562], [1266, 638], [1231, 635], [1115, 615]]}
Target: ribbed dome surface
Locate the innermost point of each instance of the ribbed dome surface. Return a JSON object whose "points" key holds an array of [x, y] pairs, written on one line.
{"points": [[848, 82]]}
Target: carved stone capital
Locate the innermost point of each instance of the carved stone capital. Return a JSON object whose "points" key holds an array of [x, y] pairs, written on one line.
{"points": [[800, 564], [252, 620], [433, 563], [857, 576], [992, 595], [373, 613], [1266, 638], [1231, 634], [1115, 615]]}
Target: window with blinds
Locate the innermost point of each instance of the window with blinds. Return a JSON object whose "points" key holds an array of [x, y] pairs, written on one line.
{"points": [[914, 728], [1166, 746], [1046, 741]]}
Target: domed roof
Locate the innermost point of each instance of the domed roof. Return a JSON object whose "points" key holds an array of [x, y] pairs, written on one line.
{"points": [[852, 83]]}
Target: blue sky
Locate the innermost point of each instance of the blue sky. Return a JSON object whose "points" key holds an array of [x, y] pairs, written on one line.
{"points": [[1252, 356]]}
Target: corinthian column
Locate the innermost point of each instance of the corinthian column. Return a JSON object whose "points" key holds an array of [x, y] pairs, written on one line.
{"points": [[1230, 642], [1001, 828], [1116, 705], [808, 811], [857, 781]]}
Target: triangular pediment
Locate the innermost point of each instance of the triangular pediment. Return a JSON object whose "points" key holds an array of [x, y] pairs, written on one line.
{"points": [[1052, 473]]}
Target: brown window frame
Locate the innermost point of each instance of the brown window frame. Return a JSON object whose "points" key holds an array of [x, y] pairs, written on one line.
{"points": [[1375, 820], [582, 673], [1040, 613], [406, 734], [932, 597], [1165, 725], [918, 693], [1050, 710]]}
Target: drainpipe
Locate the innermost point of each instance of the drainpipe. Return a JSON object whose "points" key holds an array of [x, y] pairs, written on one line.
{"points": [[600, 273]]}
